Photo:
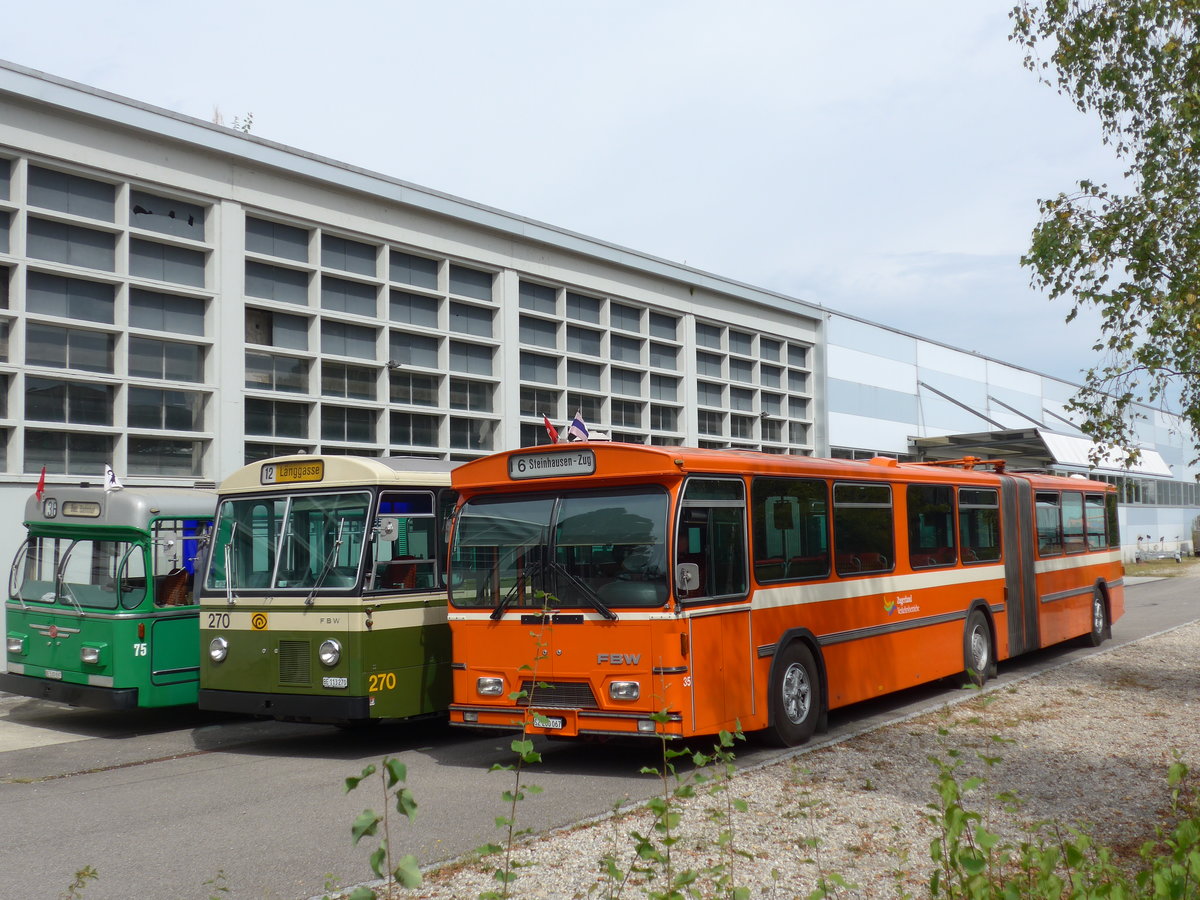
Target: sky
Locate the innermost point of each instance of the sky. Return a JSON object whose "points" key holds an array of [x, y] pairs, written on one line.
{"points": [[879, 159]]}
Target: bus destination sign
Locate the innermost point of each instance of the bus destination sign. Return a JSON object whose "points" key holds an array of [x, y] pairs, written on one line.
{"points": [[551, 465], [292, 472]]}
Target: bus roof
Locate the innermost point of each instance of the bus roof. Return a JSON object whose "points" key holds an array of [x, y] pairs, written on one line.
{"points": [[338, 471], [549, 465], [131, 507]]}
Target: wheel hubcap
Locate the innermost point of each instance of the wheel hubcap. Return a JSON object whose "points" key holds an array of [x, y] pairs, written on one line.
{"points": [[1097, 615], [797, 694], [979, 650]]}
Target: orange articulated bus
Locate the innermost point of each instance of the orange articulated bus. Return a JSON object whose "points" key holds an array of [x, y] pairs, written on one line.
{"points": [[609, 589]]}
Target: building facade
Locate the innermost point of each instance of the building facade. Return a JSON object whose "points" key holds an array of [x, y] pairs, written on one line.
{"points": [[178, 298]]}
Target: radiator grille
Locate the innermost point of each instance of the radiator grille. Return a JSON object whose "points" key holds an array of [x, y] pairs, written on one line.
{"points": [[562, 694], [295, 663]]}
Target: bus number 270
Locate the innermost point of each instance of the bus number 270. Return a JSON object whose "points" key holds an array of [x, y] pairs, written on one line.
{"points": [[384, 681], [218, 620]]}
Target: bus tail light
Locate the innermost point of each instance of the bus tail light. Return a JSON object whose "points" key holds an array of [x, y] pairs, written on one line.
{"points": [[489, 687], [624, 690], [15, 645]]}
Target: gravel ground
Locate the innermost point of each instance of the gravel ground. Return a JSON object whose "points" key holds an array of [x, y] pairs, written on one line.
{"points": [[1087, 743]]}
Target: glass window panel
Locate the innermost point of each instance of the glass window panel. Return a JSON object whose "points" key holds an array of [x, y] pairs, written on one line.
{"points": [[165, 312], [535, 367], [470, 282], [583, 375], [71, 194], [663, 356], [161, 262], [415, 270], [741, 399], [45, 400], [539, 402], [590, 408], [583, 340], [91, 351], [710, 422], [276, 283], [413, 388], [772, 430], [539, 332], [474, 396], [5, 176], [173, 217], [338, 380], [4, 218], [710, 394], [664, 388], [769, 349], [664, 327], [797, 381], [413, 309], [71, 298], [708, 336], [664, 418], [289, 332], [538, 298], [470, 358], [626, 414], [352, 297], [741, 370], [797, 355], [340, 339], [45, 345], [741, 427], [623, 349], [770, 376], [153, 456], [626, 382], [708, 364], [740, 342], [771, 404], [585, 309], [347, 255], [413, 350], [276, 239], [414, 430], [627, 318], [471, 434], [70, 244], [467, 319]]}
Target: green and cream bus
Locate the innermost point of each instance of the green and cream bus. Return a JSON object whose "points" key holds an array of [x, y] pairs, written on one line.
{"points": [[101, 609], [325, 596]]}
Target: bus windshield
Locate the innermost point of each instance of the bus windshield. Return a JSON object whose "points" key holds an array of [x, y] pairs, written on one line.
{"points": [[302, 542], [93, 574], [598, 549]]}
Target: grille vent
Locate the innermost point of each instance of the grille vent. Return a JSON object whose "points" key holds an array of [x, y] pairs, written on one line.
{"points": [[295, 663], [560, 694]]}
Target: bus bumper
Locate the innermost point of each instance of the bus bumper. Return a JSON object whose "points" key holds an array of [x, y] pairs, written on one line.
{"points": [[72, 694], [570, 723], [298, 707]]}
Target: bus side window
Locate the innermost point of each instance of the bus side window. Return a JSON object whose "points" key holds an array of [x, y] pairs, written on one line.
{"points": [[1049, 524], [712, 535], [790, 520]]}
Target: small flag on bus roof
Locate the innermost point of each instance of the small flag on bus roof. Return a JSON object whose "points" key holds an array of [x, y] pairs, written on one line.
{"points": [[111, 482], [550, 429], [41, 488], [577, 430]]}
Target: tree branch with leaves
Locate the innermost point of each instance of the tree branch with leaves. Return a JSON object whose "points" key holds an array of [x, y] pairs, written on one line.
{"points": [[1132, 251]]}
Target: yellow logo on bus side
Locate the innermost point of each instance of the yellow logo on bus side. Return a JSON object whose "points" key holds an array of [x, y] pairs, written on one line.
{"points": [[258, 621]]}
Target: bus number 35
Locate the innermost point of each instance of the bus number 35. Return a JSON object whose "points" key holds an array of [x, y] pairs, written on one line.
{"points": [[384, 681]]}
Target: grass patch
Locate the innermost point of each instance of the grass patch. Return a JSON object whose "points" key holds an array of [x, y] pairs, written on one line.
{"points": [[1164, 568]]}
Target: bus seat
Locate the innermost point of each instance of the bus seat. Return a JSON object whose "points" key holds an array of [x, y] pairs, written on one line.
{"points": [[398, 573], [768, 569], [171, 589], [808, 566]]}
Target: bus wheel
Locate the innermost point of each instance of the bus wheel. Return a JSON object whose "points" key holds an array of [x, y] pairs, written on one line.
{"points": [[795, 697], [977, 648], [1099, 620]]}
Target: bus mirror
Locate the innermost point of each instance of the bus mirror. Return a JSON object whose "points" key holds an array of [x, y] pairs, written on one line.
{"points": [[687, 576], [388, 527]]}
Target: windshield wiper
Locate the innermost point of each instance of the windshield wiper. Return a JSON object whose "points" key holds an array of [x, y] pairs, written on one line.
{"points": [[329, 561], [584, 589], [527, 574], [64, 590]]}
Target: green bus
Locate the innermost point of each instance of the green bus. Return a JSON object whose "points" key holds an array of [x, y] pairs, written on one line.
{"points": [[101, 610], [325, 595]]}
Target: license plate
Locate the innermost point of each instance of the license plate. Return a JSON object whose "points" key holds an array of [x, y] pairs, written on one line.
{"points": [[56, 674], [553, 723]]}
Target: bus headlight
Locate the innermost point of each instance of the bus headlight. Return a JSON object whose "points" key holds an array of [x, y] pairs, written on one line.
{"points": [[330, 652], [15, 645], [624, 690], [218, 649], [90, 655], [489, 687]]}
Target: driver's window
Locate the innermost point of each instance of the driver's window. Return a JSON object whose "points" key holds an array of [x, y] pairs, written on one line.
{"points": [[133, 578]]}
